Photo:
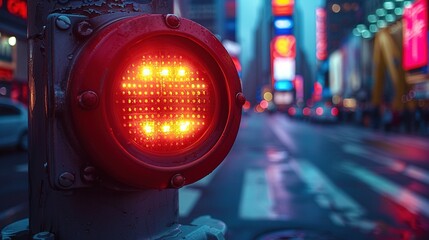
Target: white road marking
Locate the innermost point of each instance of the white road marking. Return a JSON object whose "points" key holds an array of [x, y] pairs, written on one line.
{"points": [[329, 196], [276, 124], [327, 193], [411, 201], [396, 165], [256, 202]]}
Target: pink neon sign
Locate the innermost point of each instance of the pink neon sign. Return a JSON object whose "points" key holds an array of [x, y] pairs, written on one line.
{"points": [[415, 35]]}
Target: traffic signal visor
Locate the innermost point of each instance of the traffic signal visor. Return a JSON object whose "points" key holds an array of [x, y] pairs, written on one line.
{"points": [[155, 101]]}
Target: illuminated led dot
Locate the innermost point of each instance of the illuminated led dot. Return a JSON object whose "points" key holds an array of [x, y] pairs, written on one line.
{"points": [[164, 72], [148, 129], [184, 126], [181, 72], [166, 128]]}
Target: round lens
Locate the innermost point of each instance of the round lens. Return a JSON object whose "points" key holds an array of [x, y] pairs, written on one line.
{"points": [[163, 102]]}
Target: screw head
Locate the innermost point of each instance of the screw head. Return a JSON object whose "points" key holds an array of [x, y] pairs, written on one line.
{"points": [[172, 21], [63, 22], [241, 99], [84, 29], [88, 100], [66, 179], [178, 181], [89, 174]]}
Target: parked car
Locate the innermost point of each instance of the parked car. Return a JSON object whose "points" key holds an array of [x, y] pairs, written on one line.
{"points": [[13, 124]]}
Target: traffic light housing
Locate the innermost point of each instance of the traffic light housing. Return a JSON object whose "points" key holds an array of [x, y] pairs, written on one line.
{"points": [[146, 101]]}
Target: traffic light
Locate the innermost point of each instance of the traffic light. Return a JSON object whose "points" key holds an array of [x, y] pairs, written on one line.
{"points": [[127, 104], [149, 101]]}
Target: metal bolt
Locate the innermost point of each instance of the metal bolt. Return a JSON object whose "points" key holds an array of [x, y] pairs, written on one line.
{"points": [[172, 21], [241, 99], [177, 181], [89, 174], [84, 29], [88, 100], [63, 22], [66, 179]]}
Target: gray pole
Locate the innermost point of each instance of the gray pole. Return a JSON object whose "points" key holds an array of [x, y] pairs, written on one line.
{"points": [[84, 213]]}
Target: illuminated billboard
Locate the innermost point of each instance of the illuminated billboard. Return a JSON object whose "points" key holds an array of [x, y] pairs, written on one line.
{"points": [[284, 46], [284, 69], [415, 35], [282, 7], [321, 35], [283, 25]]}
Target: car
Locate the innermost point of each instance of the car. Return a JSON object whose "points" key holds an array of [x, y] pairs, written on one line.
{"points": [[13, 124], [324, 112]]}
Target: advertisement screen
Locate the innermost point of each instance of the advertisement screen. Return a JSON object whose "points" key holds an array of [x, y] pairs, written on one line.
{"points": [[415, 34]]}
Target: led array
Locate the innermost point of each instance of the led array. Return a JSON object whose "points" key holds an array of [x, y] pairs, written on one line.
{"points": [[164, 102]]}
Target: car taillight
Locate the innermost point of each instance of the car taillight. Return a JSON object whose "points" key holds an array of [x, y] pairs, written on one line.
{"points": [[306, 111], [319, 111], [292, 111], [334, 111]]}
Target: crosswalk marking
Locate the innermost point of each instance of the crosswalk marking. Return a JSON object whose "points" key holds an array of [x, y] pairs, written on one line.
{"points": [[325, 191], [256, 202], [411, 201], [396, 165], [328, 196]]}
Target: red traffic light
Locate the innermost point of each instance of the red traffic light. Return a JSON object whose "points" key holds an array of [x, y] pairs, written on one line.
{"points": [[155, 100]]}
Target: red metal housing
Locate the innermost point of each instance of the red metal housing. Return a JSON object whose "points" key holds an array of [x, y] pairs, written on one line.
{"points": [[135, 106]]}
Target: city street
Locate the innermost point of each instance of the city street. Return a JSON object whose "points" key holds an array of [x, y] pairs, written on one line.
{"points": [[316, 181], [332, 181]]}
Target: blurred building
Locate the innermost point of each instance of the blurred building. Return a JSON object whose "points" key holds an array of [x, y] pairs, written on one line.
{"points": [[219, 16], [342, 16], [13, 49]]}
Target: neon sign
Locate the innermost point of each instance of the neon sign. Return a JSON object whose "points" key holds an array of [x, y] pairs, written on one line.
{"points": [[15, 7], [282, 7], [321, 35], [284, 46], [415, 30], [283, 25]]}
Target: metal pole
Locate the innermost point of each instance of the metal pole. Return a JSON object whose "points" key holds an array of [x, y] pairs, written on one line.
{"points": [[95, 212]]}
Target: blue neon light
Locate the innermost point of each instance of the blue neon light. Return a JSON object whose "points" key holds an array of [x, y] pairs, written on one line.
{"points": [[283, 86], [283, 25]]}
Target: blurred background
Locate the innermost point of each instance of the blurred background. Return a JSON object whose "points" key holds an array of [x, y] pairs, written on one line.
{"points": [[334, 138]]}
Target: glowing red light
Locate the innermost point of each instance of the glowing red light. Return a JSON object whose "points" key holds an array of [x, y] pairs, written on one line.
{"points": [[246, 105], [291, 111], [264, 104], [259, 109], [18, 8], [306, 111], [163, 102], [334, 111], [319, 111]]}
